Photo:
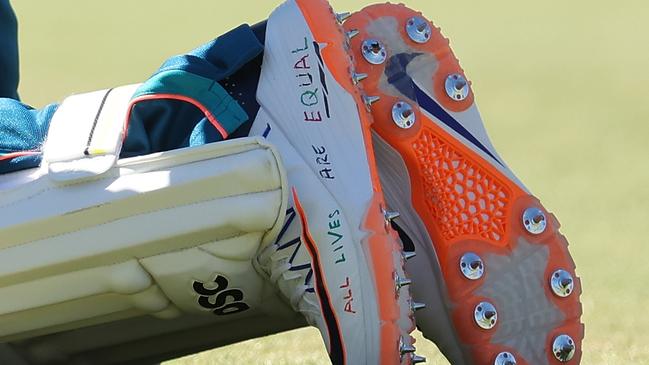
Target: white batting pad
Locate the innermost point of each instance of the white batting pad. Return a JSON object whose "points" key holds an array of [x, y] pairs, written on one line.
{"points": [[132, 240]]}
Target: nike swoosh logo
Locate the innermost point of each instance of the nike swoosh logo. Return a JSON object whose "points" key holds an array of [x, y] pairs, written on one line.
{"points": [[431, 106], [397, 75]]}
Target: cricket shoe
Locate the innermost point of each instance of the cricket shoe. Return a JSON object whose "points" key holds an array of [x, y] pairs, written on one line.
{"points": [[495, 273], [337, 260]]}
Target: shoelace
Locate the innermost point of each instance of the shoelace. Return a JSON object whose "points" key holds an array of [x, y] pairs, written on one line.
{"points": [[281, 257]]}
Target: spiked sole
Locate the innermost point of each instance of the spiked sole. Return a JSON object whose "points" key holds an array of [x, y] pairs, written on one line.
{"points": [[493, 244]]}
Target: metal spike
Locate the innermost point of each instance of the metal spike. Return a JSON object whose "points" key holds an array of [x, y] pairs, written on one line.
{"points": [[341, 17], [418, 29], [563, 348], [417, 306], [457, 87], [358, 77], [409, 254], [401, 282], [369, 100], [374, 51], [352, 33], [471, 266], [403, 115], [562, 283], [485, 315], [505, 358], [534, 220], [391, 215], [416, 359], [407, 349]]}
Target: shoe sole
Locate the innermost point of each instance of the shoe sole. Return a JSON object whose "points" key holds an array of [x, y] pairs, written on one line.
{"points": [[462, 199]]}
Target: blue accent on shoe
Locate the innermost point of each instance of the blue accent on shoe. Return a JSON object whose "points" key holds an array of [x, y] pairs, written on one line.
{"points": [[297, 243], [397, 76], [300, 267], [266, 131], [431, 106], [395, 72]]}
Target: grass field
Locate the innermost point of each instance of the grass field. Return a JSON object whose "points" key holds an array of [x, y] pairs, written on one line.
{"points": [[563, 87]]}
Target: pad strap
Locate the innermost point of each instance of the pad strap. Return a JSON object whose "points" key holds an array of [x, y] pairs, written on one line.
{"points": [[86, 133]]}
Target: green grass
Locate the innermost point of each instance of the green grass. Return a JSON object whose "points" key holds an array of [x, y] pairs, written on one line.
{"points": [[562, 85]]}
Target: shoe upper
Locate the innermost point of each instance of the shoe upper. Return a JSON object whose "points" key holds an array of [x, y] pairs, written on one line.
{"points": [[336, 259]]}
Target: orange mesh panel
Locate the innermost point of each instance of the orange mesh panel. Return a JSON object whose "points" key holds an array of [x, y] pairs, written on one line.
{"points": [[464, 198]]}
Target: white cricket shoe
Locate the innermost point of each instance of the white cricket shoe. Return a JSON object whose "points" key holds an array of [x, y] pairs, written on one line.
{"points": [[336, 260]]}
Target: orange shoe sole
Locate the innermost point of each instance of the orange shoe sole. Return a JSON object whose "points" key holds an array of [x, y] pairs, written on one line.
{"points": [[488, 240]]}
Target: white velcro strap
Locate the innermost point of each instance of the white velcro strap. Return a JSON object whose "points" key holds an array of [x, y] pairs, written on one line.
{"points": [[86, 133]]}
